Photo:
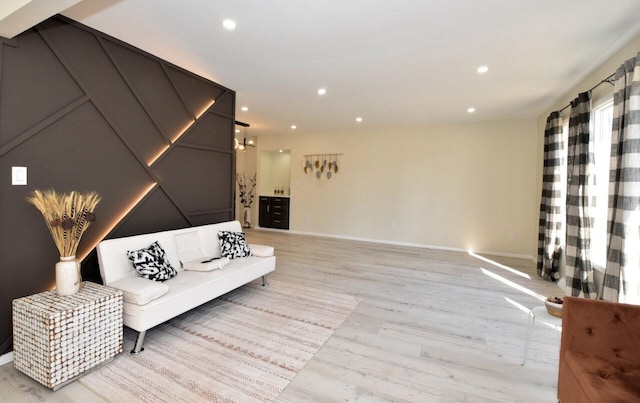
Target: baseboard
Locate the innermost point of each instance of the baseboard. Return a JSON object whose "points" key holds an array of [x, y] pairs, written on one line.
{"points": [[387, 242], [6, 358]]}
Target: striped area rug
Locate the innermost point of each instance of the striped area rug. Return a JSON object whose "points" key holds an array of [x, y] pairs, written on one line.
{"points": [[244, 346]]}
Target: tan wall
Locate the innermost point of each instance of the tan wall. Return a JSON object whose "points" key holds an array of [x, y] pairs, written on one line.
{"points": [[462, 186], [275, 169]]}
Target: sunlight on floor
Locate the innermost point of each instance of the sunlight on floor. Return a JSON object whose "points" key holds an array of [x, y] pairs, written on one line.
{"points": [[517, 305], [499, 265], [512, 284]]}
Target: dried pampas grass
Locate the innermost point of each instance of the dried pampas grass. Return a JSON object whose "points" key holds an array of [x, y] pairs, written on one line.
{"points": [[67, 216]]}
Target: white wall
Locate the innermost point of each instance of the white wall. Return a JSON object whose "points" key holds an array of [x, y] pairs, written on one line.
{"points": [[454, 186]]}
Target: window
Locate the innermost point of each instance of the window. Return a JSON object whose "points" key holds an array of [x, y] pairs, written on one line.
{"points": [[601, 121]]}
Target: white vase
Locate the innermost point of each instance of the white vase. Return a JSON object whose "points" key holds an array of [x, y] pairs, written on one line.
{"points": [[67, 276], [247, 217]]}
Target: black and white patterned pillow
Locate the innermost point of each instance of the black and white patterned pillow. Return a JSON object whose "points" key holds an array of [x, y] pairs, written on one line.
{"points": [[233, 244], [151, 263]]}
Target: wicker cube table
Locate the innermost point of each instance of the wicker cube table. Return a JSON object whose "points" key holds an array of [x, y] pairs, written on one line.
{"points": [[58, 338]]}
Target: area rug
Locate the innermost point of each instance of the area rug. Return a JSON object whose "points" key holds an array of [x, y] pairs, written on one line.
{"points": [[244, 346]]}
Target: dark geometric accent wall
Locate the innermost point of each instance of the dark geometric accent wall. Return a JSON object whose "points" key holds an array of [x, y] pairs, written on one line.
{"points": [[84, 111]]}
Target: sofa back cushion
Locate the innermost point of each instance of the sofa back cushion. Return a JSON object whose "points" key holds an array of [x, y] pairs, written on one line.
{"points": [[114, 261], [209, 243], [112, 253]]}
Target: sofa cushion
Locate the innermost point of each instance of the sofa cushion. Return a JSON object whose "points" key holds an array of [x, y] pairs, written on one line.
{"points": [[233, 244], [188, 245], [604, 380], [261, 250], [138, 290], [151, 263]]}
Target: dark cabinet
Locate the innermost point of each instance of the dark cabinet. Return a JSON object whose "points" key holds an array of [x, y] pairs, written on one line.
{"points": [[274, 212]]}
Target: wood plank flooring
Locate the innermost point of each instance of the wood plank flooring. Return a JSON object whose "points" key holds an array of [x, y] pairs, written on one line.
{"points": [[432, 326]]}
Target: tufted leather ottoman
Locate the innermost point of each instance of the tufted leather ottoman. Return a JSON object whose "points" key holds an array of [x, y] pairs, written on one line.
{"points": [[599, 352]]}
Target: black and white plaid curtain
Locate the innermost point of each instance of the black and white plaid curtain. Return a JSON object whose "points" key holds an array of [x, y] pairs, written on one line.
{"points": [[580, 169], [551, 223], [622, 273]]}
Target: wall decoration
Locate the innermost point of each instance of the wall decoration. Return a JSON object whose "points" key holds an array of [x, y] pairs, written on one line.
{"points": [[324, 165], [246, 193]]}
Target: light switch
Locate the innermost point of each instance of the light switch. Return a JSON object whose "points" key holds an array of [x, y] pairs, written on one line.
{"points": [[18, 175]]}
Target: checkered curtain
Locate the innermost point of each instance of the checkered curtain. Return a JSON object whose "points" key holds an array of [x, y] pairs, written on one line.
{"points": [[551, 223], [580, 165], [622, 273]]}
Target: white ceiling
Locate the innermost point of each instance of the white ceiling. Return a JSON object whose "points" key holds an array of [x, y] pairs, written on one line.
{"points": [[395, 63]]}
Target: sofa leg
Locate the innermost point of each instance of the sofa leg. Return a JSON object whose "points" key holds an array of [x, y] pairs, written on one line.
{"points": [[264, 281], [137, 349]]}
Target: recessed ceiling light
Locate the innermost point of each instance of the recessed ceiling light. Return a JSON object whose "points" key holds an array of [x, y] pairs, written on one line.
{"points": [[229, 24], [359, 119], [482, 69], [471, 109], [280, 150], [294, 127], [244, 109], [322, 91]]}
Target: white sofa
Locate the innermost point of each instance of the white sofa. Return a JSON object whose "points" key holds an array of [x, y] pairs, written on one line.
{"points": [[149, 303]]}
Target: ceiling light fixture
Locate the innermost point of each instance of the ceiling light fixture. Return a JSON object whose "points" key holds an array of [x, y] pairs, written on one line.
{"points": [[482, 69], [294, 127], [359, 119], [229, 24], [244, 109], [245, 143], [471, 109], [322, 91]]}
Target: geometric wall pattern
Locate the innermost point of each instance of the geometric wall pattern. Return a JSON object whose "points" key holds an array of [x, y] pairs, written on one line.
{"points": [[84, 111]]}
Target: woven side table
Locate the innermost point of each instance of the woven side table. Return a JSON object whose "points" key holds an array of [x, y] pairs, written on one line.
{"points": [[57, 338]]}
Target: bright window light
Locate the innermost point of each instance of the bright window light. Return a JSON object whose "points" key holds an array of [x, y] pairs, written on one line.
{"points": [[602, 119]]}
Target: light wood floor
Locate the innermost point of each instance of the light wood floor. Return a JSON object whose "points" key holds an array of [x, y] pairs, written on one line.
{"points": [[432, 326]]}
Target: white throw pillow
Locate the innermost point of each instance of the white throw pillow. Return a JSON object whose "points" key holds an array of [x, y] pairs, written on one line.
{"points": [[206, 264], [138, 290], [261, 250]]}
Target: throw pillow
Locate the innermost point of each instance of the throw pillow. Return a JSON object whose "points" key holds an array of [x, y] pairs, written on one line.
{"points": [[151, 263], [206, 265], [233, 244], [261, 250]]}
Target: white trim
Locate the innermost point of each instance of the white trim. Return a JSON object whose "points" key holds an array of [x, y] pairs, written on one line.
{"points": [[6, 358], [387, 242]]}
